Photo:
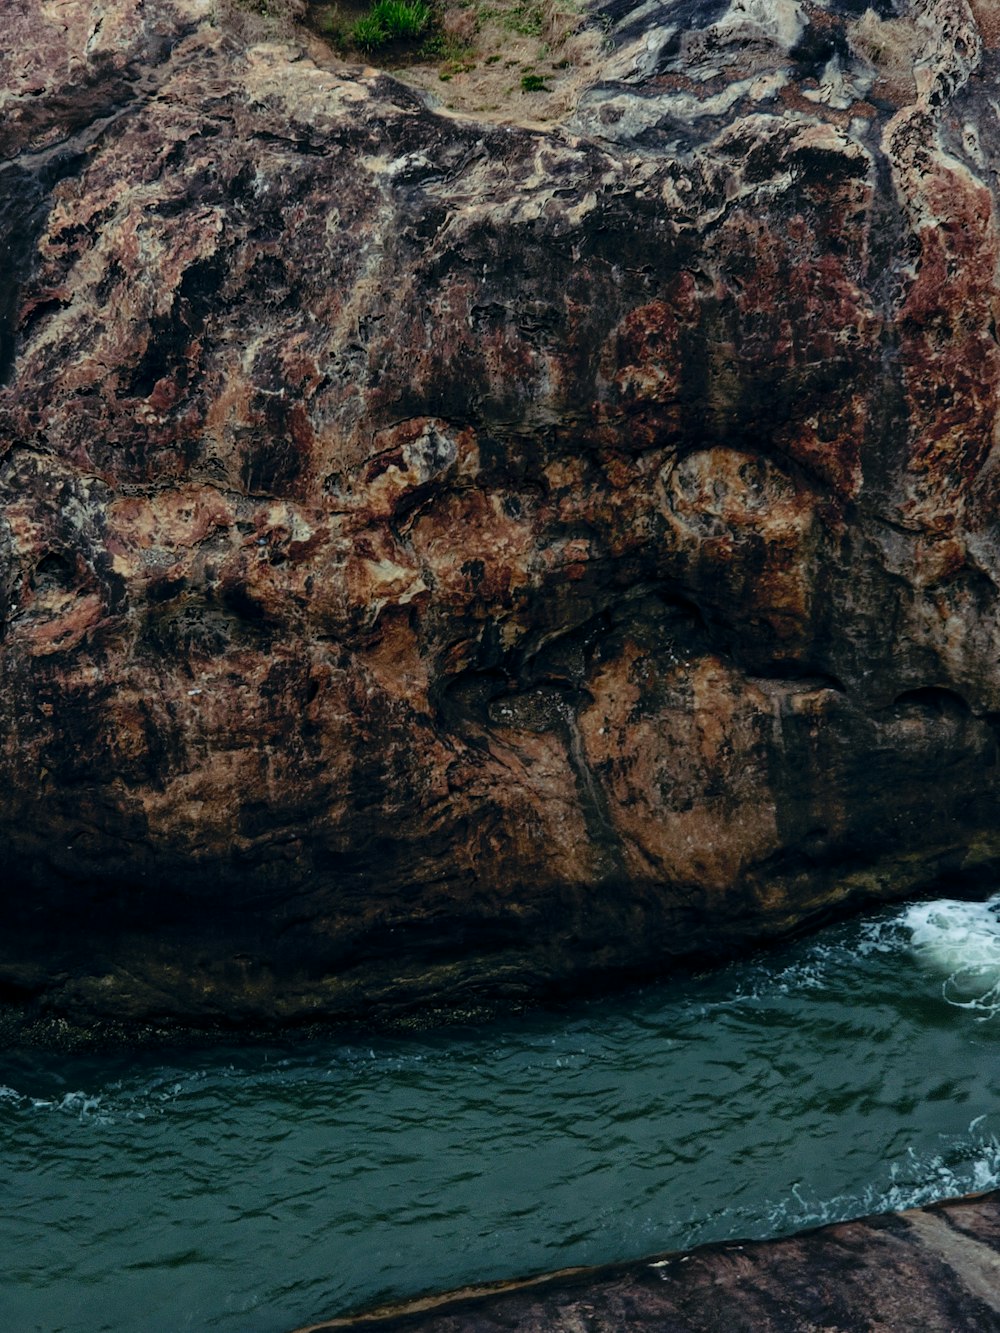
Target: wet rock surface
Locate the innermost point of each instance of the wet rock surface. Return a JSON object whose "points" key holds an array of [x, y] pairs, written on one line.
{"points": [[935, 1268], [446, 563]]}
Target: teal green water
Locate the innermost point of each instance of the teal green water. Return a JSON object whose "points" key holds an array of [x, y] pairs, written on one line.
{"points": [[257, 1189]]}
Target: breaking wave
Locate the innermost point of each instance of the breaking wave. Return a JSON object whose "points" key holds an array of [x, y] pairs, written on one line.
{"points": [[960, 941]]}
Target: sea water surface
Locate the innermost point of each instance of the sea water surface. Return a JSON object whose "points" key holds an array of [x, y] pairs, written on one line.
{"points": [[260, 1188]]}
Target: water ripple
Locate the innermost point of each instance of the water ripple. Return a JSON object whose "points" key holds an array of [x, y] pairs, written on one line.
{"points": [[251, 1190]]}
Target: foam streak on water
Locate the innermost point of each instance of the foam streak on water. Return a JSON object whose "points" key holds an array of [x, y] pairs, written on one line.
{"points": [[253, 1190]]}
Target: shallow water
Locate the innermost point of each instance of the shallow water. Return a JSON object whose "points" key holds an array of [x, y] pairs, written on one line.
{"points": [[256, 1189]]}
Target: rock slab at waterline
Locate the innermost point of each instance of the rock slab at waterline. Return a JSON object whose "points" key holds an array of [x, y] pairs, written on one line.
{"points": [[934, 1269], [446, 562]]}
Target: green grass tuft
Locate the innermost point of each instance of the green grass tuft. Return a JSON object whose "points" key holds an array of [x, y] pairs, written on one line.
{"points": [[368, 34], [391, 21]]}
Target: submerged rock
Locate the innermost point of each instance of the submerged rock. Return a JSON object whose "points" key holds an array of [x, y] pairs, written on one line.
{"points": [[936, 1269], [444, 562]]}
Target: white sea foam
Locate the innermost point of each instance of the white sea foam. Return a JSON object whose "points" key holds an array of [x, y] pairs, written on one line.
{"points": [[961, 942], [963, 1165], [879, 935], [80, 1104]]}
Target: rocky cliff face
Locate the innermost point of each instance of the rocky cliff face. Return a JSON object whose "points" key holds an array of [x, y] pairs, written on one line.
{"points": [[443, 561]]}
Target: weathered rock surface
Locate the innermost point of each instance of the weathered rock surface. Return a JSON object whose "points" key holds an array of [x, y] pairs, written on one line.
{"points": [[934, 1269], [443, 562]]}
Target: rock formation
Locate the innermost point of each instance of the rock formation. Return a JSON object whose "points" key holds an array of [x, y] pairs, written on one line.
{"points": [[445, 562], [936, 1269]]}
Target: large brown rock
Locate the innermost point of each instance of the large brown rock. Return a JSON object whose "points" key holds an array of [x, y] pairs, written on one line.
{"points": [[442, 562]]}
